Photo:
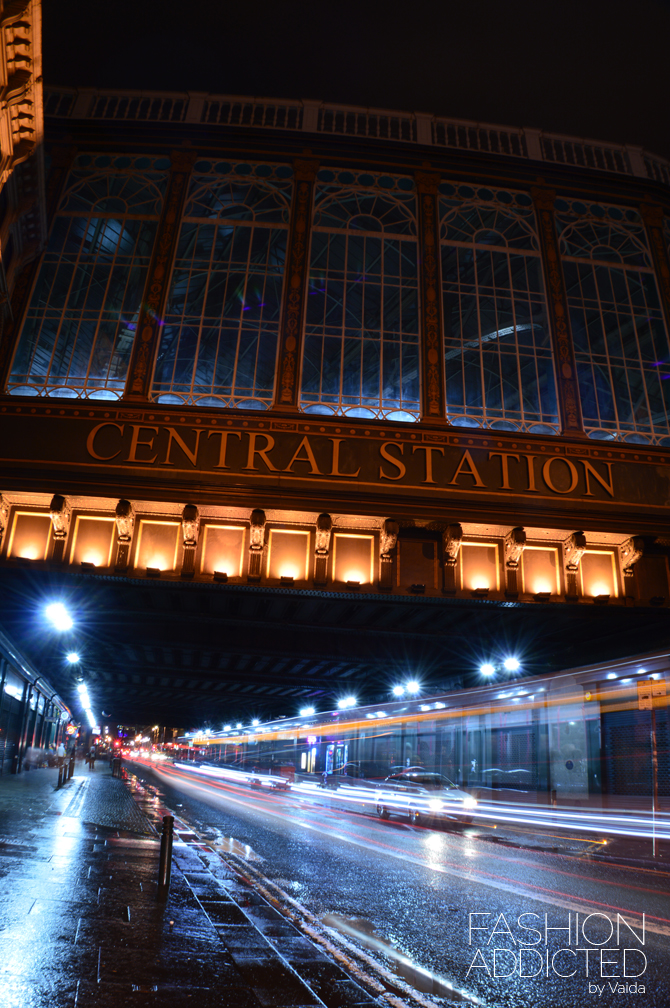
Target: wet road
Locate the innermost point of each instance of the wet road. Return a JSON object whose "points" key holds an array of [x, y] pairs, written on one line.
{"points": [[448, 898]]}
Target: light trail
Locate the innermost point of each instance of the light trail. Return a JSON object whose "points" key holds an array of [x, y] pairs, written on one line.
{"points": [[629, 824], [503, 883]]}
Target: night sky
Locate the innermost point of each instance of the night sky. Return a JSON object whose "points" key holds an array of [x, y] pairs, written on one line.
{"points": [[594, 68]]}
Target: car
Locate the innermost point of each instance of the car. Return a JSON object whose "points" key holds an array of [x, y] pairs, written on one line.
{"points": [[421, 795]]}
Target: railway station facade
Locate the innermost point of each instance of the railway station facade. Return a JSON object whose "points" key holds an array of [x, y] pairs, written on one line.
{"points": [[329, 352]]}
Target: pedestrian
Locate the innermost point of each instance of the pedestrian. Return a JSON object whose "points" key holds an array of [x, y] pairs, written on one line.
{"points": [[60, 754], [91, 758]]}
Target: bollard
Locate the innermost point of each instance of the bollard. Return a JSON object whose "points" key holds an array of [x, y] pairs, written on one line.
{"points": [[116, 766], [62, 775], [70, 772], [165, 863]]}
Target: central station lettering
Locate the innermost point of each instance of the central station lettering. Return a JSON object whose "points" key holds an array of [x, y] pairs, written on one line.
{"points": [[379, 462]]}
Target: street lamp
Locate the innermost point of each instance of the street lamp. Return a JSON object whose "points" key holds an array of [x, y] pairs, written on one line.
{"points": [[72, 657], [346, 702], [398, 691], [59, 616], [306, 711], [413, 686], [509, 665]]}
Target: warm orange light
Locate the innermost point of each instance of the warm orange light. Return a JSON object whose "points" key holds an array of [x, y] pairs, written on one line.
{"points": [[289, 570], [541, 586], [29, 553], [600, 588], [480, 582], [355, 575], [92, 558], [157, 563]]}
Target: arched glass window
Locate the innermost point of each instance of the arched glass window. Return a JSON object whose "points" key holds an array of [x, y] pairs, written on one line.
{"points": [[80, 326], [621, 344], [499, 368], [361, 354], [219, 341]]}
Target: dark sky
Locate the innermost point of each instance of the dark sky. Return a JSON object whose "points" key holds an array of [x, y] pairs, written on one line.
{"points": [[594, 68]]}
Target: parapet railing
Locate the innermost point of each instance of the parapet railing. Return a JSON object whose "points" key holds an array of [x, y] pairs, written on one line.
{"points": [[350, 120]]}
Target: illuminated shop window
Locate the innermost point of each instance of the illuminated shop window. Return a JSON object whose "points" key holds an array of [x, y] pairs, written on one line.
{"points": [[479, 566], [621, 344], [499, 368], [80, 325], [361, 355], [219, 341], [30, 535]]}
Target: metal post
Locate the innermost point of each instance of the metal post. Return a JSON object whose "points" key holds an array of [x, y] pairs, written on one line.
{"points": [[165, 863], [70, 772], [654, 780]]}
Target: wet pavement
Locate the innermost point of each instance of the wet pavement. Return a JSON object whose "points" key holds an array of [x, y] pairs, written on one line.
{"points": [[81, 927], [404, 893]]}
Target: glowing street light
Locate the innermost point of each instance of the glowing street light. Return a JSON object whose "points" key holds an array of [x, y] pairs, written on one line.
{"points": [[59, 616], [398, 691], [413, 686], [306, 711], [72, 657], [510, 664], [346, 702], [255, 722]]}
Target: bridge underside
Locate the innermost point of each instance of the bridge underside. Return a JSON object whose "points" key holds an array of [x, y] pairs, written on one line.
{"points": [[192, 654]]}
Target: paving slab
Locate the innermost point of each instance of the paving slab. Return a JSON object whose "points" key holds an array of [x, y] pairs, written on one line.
{"points": [[82, 927]]}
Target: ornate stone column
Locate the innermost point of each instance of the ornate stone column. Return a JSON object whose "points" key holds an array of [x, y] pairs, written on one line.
{"points": [[387, 544], [324, 525], [629, 553], [287, 383], [4, 517], [256, 544], [433, 396], [59, 512], [140, 371], [573, 550], [190, 527], [125, 524], [452, 538], [515, 543], [569, 406], [653, 220]]}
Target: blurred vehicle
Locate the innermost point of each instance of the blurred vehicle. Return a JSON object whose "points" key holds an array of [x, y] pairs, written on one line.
{"points": [[358, 770], [420, 795]]}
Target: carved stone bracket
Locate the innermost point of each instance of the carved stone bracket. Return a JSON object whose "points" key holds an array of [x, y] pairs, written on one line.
{"points": [[60, 513], [124, 516], [324, 525], [256, 544], [630, 552], [514, 545], [452, 538], [573, 550], [190, 527], [387, 544]]}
